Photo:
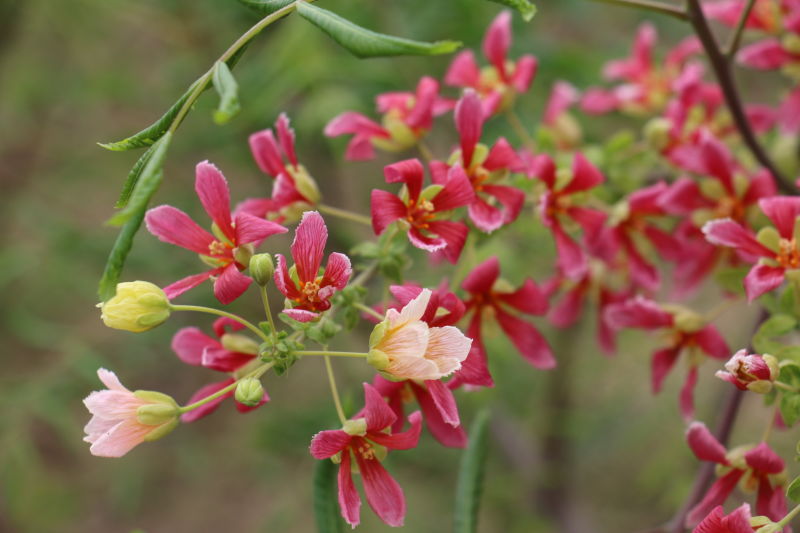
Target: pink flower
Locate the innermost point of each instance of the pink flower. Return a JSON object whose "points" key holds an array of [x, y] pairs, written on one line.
{"points": [[499, 84], [403, 346], [121, 419], [444, 307], [764, 468], [422, 210], [687, 332], [365, 440], [311, 294], [775, 251], [407, 117], [559, 201], [228, 250], [486, 293], [765, 15], [736, 522], [294, 189], [566, 132], [751, 372], [436, 401], [230, 353]]}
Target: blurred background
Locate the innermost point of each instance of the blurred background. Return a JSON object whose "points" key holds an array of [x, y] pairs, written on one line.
{"points": [[75, 73]]}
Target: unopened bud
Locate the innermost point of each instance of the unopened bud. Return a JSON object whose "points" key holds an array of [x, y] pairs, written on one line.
{"points": [[249, 392], [161, 412], [137, 306], [262, 268], [306, 185], [656, 133]]}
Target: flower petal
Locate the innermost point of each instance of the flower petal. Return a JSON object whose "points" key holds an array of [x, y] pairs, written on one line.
{"points": [[445, 401], [454, 235], [208, 408], [404, 440], [497, 41], [328, 443], [469, 123], [301, 315], [762, 279], [662, 363], [585, 175], [376, 411], [409, 171], [173, 226], [230, 284], [447, 347], [173, 290], [704, 445], [266, 153], [212, 189], [385, 208], [463, 71], [457, 191], [252, 229], [763, 459], [309, 245], [120, 439], [482, 277], [529, 298], [190, 343], [337, 271], [349, 500], [783, 212], [715, 496], [530, 343], [384, 495], [442, 431]]}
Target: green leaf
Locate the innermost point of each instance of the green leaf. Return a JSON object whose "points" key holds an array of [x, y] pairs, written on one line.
{"points": [[362, 42], [470, 476], [793, 490], [116, 259], [732, 279], [790, 408], [525, 8], [149, 180], [133, 179], [774, 326], [326, 508], [265, 6], [228, 91]]}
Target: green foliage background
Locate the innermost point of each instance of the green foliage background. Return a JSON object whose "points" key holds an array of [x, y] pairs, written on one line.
{"points": [[73, 73]]}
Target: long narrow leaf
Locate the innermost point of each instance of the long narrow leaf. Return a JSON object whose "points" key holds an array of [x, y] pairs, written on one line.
{"points": [[228, 90], [266, 6], [470, 476], [525, 8], [116, 259], [133, 178], [326, 508], [362, 42], [148, 182]]}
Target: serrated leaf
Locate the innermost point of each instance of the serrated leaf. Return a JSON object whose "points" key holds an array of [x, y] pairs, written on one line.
{"points": [[470, 476], [362, 42], [228, 90], [326, 508], [790, 408], [793, 490], [525, 8], [133, 179], [148, 182], [265, 6], [116, 259]]}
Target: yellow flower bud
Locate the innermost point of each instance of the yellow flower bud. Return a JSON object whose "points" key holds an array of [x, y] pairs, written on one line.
{"points": [[137, 306]]}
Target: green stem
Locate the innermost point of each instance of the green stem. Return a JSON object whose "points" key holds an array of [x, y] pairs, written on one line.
{"points": [[345, 214], [364, 275], [784, 386], [651, 5], [367, 309], [210, 310], [268, 311], [519, 129], [257, 373], [332, 354], [788, 518], [426, 152], [334, 391], [736, 36]]}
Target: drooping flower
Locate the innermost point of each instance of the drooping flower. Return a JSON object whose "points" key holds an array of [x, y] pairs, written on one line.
{"points": [[424, 211], [403, 346], [227, 251], [499, 84], [752, 372], [757, 468], [407, 117], [310, 293], [490, 296], [137, 306], [774, 250], [736, 522], [688, 333], [294, 190], [230, 353], [561, 202], [365, 440], [121, 419]]}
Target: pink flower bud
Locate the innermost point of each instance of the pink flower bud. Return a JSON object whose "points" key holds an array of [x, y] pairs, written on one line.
{"points": [[750, 372]]}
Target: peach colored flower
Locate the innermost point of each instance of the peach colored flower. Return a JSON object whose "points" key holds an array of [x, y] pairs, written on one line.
{"points": [[405, 347]]}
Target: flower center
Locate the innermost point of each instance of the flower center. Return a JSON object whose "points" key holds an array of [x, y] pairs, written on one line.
{"points": [[218, 248], [788, 256], [729, 207], [421, 213], [310, 290], [366, 450]]}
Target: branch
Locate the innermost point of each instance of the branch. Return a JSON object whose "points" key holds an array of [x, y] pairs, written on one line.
{"points": [[722, 71], [651, 5], [736, 36]]}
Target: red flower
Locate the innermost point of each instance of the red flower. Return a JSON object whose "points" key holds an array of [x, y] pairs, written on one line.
{"points": [[422, 211], [775, 250], [444, 307], [310, 294], [365, 440], [751, 372], [407, 117], [764, 468], [765, 15], [229, 352], [228, 250], [485, 294], [499, 84], [687, 331], [736, 522]]}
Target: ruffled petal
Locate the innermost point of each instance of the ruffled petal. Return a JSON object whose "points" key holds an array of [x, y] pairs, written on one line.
{"points": [[337, 271]]}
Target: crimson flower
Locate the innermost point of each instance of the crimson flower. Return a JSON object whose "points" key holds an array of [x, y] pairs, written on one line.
{"points": [[366, 440], [556, 119], [444, 307], [736, 522], [687, 332], [310, 293], [422, 211], [230, 352], [758, 468], [753, 372], [775, 249], [765, 15], [407, 117], [499, 84], [227, 251]]}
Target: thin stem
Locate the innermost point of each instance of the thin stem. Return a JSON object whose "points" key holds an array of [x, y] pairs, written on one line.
{"points": [[367, 309], [345, 214], [332, 354], [650, 5], [722, 70], [257, 373], [771, 421], [364, 275], [736, 36], [789, 517], [426, 152], [210, 310], [519, 129], [334, 391], [268, 311], [784, 386]]}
